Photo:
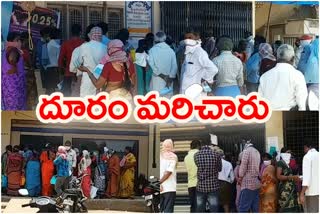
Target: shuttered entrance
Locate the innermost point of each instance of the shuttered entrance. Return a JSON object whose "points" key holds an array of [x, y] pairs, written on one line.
{"points": [[221, 18]]}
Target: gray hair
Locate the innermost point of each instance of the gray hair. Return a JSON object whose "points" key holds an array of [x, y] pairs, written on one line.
{"points": [[285, 53], [160, 37]]}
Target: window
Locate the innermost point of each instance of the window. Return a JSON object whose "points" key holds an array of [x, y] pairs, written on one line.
{"points": [[38, 142], [95, 16], [115, 21], [76, 16]]}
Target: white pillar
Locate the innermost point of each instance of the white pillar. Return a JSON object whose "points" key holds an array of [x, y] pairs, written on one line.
{"points": [[253, 18], [156, 17]]}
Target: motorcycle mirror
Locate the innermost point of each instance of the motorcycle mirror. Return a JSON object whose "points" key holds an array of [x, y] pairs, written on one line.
{"points": [[23, 192], [194, 91], [151, 177]]}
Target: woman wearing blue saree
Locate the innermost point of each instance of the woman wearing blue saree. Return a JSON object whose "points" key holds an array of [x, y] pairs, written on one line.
{"points": [[33, 181]]}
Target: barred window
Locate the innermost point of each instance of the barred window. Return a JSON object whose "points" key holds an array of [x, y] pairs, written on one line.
{"points": [[95, 16], [115, 19]]}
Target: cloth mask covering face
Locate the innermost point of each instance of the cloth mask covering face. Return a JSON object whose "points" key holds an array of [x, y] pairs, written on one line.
{"points": [[286, 157], [190, 45], [67, 148], [267, 163]]}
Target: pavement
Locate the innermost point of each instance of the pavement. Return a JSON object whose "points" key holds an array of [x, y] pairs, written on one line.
{"points": [[14, 206]]}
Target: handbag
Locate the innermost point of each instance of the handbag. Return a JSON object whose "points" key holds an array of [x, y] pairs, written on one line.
{"points": [[53, 180], [4, 181], [93, 192]]}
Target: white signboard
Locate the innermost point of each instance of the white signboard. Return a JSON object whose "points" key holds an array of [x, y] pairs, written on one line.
{"points": [[138, 18]]}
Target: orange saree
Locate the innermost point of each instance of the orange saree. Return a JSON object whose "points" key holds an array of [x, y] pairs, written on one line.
{"points": [[47, 171], [268, 191], [114, 174]]}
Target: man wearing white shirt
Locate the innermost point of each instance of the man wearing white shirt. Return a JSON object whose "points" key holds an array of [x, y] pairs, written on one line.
{"points": [[197, 66], [226, 178], [90, 54], [284, 86], [168, 177], [309, 195]]}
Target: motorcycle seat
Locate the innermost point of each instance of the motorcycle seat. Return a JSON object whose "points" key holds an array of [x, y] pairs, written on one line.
{"points": [[72, 191]]}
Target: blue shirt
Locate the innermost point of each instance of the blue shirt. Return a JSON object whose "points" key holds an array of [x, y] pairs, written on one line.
{"points": [[62, 166], [305, 54], [311, 74], [253, 67], [105, 40]]}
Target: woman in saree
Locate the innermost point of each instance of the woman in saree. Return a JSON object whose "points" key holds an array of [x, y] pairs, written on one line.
{"points": [[13, 77], [85, 171], [14, 171], [288, 197], [47, 170], [127, 164], [118, 75], [113, 175], [268, 190], [33, 181]]}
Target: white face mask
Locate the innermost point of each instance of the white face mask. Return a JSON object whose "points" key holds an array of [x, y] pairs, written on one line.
{"points": [[286, 157], [105, 149], [267, 163], [67, 148], [305, 42], [190, 45]]}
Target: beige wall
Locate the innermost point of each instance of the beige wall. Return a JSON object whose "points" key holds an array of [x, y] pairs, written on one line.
{"points": [[274, 127]]}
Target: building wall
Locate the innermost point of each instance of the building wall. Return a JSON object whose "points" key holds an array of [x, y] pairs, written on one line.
{"points": [[279, 14], [274, 127], [28, 119]]}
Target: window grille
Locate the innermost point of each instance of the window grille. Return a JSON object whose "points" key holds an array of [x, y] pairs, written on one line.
{"points": [[115, 21]]}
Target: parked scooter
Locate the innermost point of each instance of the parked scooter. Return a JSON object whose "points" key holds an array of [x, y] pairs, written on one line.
{"points": [[152, 194], [71, 201]]}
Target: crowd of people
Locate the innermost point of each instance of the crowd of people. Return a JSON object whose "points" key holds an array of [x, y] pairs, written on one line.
{"points": [[81, 67], [49, 172], [255, 183]]}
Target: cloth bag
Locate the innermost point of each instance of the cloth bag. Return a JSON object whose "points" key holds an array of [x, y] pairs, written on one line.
{"points": [[4, 181], [93, 192]]}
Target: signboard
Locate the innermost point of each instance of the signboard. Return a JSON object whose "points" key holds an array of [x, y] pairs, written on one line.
{"points": [[138, 18], [40, 18]]}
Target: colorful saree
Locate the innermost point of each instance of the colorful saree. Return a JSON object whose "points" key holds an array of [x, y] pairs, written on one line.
{"points": [[288, 197], [14, 173], [126, 187], [268, 190], [114, 173], [47, 171]]}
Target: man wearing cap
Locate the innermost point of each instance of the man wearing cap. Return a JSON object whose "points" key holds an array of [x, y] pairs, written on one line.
{"points": [[305, 40], [90, 54], [163, 62], [71, 156]]}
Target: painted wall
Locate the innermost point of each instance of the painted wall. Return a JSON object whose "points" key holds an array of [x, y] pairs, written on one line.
{"points": [[274, 127]]}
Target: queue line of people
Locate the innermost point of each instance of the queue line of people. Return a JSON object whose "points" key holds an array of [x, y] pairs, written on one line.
{"points": [[50, 172], [263, 183], [81, 67]]}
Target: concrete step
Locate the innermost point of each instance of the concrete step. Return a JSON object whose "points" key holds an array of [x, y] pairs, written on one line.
{"points": [[181, 209]]}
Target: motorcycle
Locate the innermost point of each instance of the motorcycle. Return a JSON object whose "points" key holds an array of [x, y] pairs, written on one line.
{"points": [[71, 201], [152, 195]]}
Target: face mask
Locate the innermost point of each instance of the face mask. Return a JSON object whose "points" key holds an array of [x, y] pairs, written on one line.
{"points": [[267, 163], [286, 157], [105, 149], [305, 42], [190, 42], [67, 148]]}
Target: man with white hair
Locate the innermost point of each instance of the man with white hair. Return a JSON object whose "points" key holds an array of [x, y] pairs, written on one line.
{"points": [[284, 86], [90, 54], [163, 62]]}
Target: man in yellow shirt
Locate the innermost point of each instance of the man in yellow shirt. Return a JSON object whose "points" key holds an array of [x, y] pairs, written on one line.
{"points": [[192, 173]]}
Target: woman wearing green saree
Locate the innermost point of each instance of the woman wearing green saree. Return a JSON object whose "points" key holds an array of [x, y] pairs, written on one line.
{"points": [[288, 196]]}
